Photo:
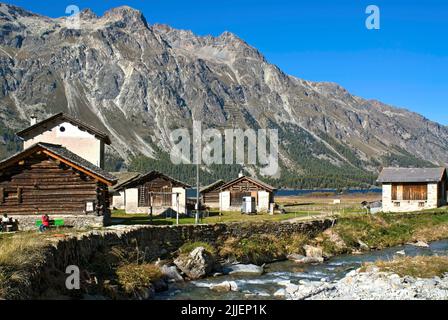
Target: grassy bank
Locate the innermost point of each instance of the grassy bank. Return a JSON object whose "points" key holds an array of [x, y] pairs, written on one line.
{"points": [[417, 267], [383, 230], [122, 218]]}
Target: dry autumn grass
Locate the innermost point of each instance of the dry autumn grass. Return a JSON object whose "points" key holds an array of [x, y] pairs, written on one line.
{"points": [[133, 277]]}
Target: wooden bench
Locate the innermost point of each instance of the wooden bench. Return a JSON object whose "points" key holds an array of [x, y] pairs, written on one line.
{"points": [[53, 223]]}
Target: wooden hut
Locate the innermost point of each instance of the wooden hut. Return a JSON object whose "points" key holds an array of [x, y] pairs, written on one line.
{"points": [[154, 192], [232, 193], [48, 178], [210, 194]]}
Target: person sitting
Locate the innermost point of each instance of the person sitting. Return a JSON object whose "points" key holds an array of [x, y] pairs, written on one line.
{"points": [[5, 221], [45, 223]]}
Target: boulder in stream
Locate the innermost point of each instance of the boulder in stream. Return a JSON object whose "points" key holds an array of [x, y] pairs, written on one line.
{"points": [[224, 286], [243, 269], [298, 258], [314, 252], [171, 274], [199, 263]]}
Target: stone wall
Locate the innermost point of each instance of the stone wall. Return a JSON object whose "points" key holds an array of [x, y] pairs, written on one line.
{"points": [[156, 241], [28, 222]]}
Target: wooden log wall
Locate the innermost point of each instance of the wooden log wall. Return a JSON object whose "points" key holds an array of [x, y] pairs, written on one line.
{"points": [[40, 184]]}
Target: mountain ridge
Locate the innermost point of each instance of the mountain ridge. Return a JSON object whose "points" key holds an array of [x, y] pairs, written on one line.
{"points": [[138, 81]]}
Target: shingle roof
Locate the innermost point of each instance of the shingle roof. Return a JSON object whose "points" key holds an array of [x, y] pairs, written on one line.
{"points": [[388, 175], [124, 177], [150, 176], [253, 180], [61, 152], [212, 186], [61, 117]]}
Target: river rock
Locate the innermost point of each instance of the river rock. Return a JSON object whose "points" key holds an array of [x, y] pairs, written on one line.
{"points": [[280, 293], [224, 286], [146, 293], [170, 273], [363, 245], [372, 285], [313, 252], [335, 238], [243, 269], [420, 243], [197, 264], [297, 258]]}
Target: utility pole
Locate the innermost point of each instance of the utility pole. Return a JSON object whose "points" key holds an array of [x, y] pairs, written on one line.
{"points": [[197, 193], [198, 157]]}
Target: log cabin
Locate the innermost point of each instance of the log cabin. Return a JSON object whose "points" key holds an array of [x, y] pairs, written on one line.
{"points": [[49, 178], [155, 193], [413, 189], [232, 193], [210, 194]]}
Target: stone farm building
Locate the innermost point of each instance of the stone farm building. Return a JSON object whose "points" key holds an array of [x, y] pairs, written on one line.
{"points": [[413, 189], [59, 172], [232, 193], [152, 191]]}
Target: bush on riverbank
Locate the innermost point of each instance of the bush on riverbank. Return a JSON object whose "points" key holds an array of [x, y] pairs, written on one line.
{"points": [[384, 230], [417, 267], [262, 249], [135, 277], [190, 246]]}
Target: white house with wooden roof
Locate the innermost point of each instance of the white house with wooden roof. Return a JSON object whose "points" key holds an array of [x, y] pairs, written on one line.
{"points": [[62, 129], [413, 189], [232, 193]]}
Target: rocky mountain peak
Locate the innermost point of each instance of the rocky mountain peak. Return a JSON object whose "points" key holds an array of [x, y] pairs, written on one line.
{"points": [[131, 17], [88, 14]]}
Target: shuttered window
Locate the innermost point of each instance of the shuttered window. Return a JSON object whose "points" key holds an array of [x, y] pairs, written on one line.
{"points": [[418, 191]]}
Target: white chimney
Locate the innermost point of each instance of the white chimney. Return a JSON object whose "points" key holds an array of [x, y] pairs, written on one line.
{"points": [[240, 174], [33, 119]]}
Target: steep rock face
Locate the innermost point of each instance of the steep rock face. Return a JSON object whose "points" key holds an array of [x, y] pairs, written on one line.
{"points": [[138, 81]]}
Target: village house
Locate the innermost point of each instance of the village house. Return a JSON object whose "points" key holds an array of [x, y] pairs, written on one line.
{"points": [[62, 129], [58, 173], [48, 178], [413, 189], [232, 193], [210, 194], [153, 192]]}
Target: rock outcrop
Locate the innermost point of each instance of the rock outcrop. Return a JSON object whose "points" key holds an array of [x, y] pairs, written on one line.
{"points": [[197, 264]]}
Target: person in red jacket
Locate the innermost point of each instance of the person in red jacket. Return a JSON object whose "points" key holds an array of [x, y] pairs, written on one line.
{"points": [[45, 223]]}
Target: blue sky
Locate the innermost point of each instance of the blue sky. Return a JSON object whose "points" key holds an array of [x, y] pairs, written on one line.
{"points": [[405, 63]]}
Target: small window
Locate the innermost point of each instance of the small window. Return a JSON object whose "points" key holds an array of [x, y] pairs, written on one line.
{"points": [[62, 129], [396, 204]]}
